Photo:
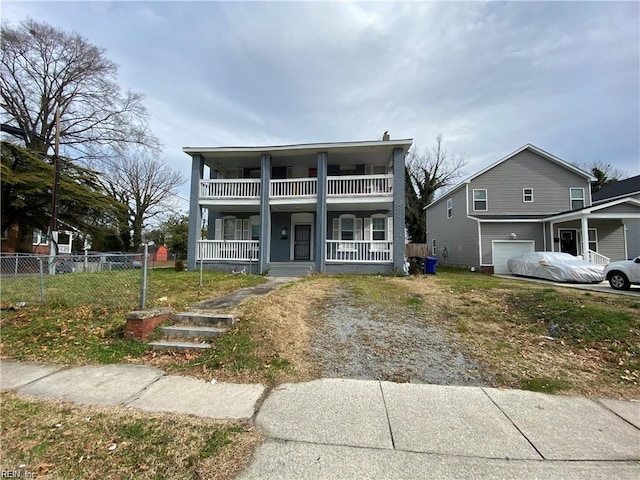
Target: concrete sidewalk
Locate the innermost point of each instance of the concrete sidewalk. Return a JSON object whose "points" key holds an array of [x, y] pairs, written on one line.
{"points": [[339, 428]]}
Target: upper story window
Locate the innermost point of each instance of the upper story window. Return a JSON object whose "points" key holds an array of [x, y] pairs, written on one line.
{"points": [[450, 208], [480, 199], [527, 195], [577, 198]]}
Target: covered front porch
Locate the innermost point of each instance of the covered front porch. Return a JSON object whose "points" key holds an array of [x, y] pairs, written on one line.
{"points": [[596, 234]]}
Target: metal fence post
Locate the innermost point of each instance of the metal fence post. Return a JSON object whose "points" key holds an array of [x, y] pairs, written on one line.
{"points": [[145, 262], [41, 281]]}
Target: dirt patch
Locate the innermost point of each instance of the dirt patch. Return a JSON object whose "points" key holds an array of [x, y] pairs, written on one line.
{"points": [[402, 339]]}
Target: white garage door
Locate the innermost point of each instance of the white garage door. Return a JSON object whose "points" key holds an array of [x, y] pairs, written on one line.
{"points": [[503, 251]]}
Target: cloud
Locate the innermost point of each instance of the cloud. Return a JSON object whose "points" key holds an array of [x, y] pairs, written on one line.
{"points": [[489, 76]]}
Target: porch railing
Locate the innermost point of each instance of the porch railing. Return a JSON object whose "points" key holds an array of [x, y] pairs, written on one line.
{"points": [[294, 187], [597, 258], [359, 251], [226, 188], [359, 185], [237, 250]]}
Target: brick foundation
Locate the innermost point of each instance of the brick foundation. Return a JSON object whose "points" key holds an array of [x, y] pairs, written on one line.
{"points": [[141, 323]]}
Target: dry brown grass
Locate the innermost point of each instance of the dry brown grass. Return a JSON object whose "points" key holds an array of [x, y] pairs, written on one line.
{"points": [[56, 440]]}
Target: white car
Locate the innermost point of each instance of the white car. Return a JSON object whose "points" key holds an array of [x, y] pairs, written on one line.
{"points": [[622, 275]]}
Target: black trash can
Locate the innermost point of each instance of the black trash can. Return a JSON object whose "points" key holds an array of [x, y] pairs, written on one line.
{"points": [[430, 265]]}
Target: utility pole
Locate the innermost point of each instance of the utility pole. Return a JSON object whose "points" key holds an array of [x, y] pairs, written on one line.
{"points": [[53, 237]]}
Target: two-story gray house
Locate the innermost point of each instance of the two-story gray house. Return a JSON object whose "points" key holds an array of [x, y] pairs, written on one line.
{"points": [[290, 209], [527, 201]]}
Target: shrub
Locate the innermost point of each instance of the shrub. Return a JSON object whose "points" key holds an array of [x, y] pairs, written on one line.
{"points": [[179, 266]]}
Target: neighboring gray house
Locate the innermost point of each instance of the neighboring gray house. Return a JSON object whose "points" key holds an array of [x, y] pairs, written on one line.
{"points": [[528, 201], [290, 209], [627, 188]]}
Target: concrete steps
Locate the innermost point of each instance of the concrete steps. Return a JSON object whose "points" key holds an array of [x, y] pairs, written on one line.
{"points": [[291, 269], [190, 328]]}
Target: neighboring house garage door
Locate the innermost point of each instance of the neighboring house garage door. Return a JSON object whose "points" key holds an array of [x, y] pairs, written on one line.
{"points": [[503, 251]]}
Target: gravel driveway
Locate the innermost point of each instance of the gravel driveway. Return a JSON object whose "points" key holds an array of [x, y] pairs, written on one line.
{"points": [[394, 342]]}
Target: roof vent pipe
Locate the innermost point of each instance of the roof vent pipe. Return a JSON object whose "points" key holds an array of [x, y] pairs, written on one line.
{"points": [[385, 136]]}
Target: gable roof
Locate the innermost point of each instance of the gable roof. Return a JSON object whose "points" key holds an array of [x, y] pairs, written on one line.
{"points": [[528, 146], [621, 188]]}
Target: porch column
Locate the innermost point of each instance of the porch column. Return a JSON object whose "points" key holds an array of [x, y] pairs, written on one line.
{"points": [[265, 213], [398, 210], [195, 215], [585, 238], [321, 213]]}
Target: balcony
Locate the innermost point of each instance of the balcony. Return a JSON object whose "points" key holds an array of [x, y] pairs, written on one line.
{"points": [[359, 185], [248, 189], [240, 188]]}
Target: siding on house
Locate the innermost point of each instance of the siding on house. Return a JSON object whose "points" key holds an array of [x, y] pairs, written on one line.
{"points": [[503, 231], [633, 238], [458, 234], [550, 183], [610, 238]]}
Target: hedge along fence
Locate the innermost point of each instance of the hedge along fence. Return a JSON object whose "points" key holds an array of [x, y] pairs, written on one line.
{"points": [[116, 280]]}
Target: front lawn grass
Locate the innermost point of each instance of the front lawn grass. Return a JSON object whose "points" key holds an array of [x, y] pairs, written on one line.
{"points": [[549, 338], [55, 440], [83, 329]]}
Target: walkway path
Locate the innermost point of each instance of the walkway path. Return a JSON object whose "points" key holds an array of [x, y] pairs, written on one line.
{"points": [[340, 428]]}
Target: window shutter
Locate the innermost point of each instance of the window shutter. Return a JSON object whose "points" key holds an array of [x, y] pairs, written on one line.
{"points": [[367, 229], [218, 229], [389, 229], [358, 229], [238, 232], [336, 229], [246, 233]]}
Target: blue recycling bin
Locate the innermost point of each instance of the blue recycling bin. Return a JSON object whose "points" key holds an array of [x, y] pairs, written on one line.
{"points": [[430, 265]]}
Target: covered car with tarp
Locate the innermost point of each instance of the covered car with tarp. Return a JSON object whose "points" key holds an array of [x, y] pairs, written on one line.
{"points": [[556, 266]]}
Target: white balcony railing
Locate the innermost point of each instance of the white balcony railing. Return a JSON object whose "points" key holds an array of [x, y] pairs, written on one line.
{"points": [[359, 185], [236, 250], [294, 187], [249, 188], [597, 258], [359, 251], [243, 188]]}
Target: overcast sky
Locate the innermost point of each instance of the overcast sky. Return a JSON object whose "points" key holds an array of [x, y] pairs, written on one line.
{"points": [[489, 76]]}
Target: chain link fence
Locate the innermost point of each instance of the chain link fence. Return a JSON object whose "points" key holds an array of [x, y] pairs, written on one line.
{"points": [[105, 279]]}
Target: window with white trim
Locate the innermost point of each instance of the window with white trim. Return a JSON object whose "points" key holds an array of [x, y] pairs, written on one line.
{"points": [[433, 247], [347, 228], [593, 239], [39, 237], [255, 227], [378, 228], [527, 195], [229, 228], [577, 198], [480, 200], [450, 208]]}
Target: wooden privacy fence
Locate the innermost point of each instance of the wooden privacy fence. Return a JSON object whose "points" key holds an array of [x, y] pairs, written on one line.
{"points": [[416, 250]]}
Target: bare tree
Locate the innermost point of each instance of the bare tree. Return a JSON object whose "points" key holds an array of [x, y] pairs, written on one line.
{"points": [[604, 174], [426, 173], [146, 185], [44, 68]]}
